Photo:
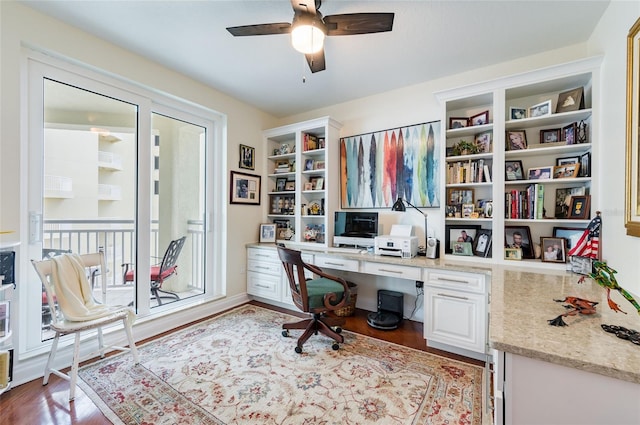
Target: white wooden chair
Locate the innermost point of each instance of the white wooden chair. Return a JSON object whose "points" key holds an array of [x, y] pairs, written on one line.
{"points": [[63, 326]]}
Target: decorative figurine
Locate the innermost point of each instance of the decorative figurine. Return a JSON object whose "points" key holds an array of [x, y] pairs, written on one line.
{"points": [[603, 275], [577, 306]]}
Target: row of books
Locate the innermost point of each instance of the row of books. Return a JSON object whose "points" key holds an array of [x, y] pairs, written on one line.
{"points": [[525, 204], [311, 142], [472, 171]]}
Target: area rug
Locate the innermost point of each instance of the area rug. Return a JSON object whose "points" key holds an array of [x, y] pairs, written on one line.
{"points": [[237, 368]]}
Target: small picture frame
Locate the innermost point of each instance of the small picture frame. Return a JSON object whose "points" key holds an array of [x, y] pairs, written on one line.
{"points": [[451, 210], [483, 141], [479, 119], [280, 184], [563, 199], [308, 164], [284, 149], [570, 100], [585, 165], [519, 237], [290, 185], [317, 183], [455, 233], [308, 186], [517, 113], [540, 173], [282, 166], [462, 248], [512, 254], [245, 189], [568, 160], [458, 122], [516, 140], [579, 208], [550, 135], [554, 250], [319, 165], [513, 170], [540, 110], [482, 243], [569, 133], [459, 196], [267, 232], [566, 171], [571, 234], [467, 210], [581, 265], [247, 157]]}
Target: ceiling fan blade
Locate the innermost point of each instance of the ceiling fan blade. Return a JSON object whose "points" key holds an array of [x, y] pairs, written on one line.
{"points": [[261, 29], [358, 23], [307, 6], [316, 61]]}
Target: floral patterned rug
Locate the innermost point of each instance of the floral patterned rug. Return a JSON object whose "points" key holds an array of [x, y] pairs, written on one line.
{"points": [[237, 368]]}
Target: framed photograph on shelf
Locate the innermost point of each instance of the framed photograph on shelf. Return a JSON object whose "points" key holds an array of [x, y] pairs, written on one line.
{"points": [[267, 232], [554, 250], [245, 189], [570, 100], [571, 234], [585, 165], [455, 233], [513, 170], [519, 237], [308, 165], [483, 141], [317, 183], [247, 157], [512, 254], [308, 186], [567, 160], [550, 135], [540, 173], [319, 165], [482, 243], [516, 113], [540, 110], [5, 318], [566, 171], [459, 196], [290, 185], [516, 140], [579, 208], [458, 122], [569, 134], [280, 184], [467, 210], [563, 199], [479, 119], [461, 248]]}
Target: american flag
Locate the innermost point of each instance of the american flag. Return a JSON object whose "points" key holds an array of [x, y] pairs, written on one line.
{"points": [[589, 243]]}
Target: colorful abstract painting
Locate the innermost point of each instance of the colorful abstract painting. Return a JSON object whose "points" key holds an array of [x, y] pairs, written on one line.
{"points": [[378, 168]]}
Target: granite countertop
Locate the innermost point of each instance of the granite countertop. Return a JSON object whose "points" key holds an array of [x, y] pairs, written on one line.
{"points": [[522, 300]]}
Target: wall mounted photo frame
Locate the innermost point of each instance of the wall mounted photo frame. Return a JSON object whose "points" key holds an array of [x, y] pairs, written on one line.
{"points": [[632, 162], [554, 250], [267, 232], [517, 113], [459, 233], [540, 110], [414, 150], [579, 208], [516, 140], [519, 237], [479, 119], [513, 170], [569, 133], [458, 122], [245, 188], [247, 157], [551, 135], [570, 100]]}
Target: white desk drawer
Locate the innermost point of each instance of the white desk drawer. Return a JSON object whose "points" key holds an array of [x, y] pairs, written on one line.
{"points": [[263, 255], [393, 270], [336, 263], [264, 267], [263, 285], [456, 280]]}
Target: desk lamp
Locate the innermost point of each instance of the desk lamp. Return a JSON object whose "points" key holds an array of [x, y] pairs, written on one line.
{"points": [[399, 206]]}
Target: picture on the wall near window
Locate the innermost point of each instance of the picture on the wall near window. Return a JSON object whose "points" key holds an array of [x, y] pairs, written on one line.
{"points": [[516, 140], [519, 237], [267, 232], [570, 100], [541, 109], [513, 170], [632, 163], [245, 188], [517, 113], [247, 157], [378, 168], [553, 250]]}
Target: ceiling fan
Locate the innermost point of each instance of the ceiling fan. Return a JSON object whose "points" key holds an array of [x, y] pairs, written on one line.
{"points": [[309, 28]]}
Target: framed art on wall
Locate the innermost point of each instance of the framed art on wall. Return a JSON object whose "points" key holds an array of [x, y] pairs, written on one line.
{"points": [[247, 157], [245, 189]]}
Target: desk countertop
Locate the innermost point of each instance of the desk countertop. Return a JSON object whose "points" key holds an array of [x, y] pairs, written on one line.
{"points": [[521, 303]]}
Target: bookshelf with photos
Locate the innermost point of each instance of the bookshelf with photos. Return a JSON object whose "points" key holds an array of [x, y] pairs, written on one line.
{"points": [[541, 170], [7, 287], [302, 179]]}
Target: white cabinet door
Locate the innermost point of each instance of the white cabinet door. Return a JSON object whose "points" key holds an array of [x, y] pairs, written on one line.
{"points": [[455, 318]]}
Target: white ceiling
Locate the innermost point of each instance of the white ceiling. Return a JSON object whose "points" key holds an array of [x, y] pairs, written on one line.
{"points": [[430, 39]]}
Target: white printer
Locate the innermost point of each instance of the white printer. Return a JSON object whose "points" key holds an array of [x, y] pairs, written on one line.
{"points": [[400, 243]]}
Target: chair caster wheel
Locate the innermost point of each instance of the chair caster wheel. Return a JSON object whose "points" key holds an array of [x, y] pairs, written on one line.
{"points": [[285, 333], [338, 330], [299, 350], [335, 346]]}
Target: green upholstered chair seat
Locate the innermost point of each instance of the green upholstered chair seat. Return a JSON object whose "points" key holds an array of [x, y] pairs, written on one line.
{"points": [[317, 288]]}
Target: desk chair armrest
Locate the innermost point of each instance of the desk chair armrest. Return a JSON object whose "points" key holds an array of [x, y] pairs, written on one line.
{"points": [[331, 298]]}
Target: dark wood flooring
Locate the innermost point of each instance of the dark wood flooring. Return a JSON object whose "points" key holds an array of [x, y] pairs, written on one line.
{"points": [[32, 403]]}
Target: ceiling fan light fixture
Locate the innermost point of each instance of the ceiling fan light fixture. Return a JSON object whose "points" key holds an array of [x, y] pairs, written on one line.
{"points": [[307, 37]]}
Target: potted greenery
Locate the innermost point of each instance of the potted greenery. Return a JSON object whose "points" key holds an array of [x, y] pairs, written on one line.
{"points": [[464, 148]]}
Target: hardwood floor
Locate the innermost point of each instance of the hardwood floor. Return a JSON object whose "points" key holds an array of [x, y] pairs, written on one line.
{"points": [[32, 403]]}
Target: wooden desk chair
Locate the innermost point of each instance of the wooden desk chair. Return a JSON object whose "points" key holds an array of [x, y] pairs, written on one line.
{"points": [[70, 321], [317, 296]]}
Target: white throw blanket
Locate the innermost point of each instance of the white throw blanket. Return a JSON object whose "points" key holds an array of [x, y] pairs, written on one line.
{"points": [[73, 291]]}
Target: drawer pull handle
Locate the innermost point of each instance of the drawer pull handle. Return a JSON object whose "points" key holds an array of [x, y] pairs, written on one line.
{"points": [[391, 271], [453, 296], [262, 267], [334, 264], [263, 286], [445, 279]]}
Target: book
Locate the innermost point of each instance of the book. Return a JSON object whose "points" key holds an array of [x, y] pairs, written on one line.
{"points": [[6, 358], [5, 315]]}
